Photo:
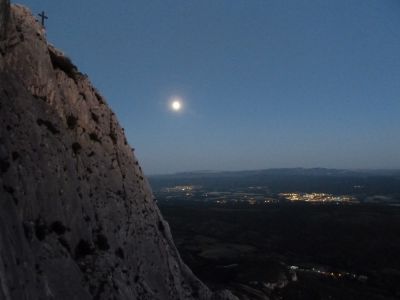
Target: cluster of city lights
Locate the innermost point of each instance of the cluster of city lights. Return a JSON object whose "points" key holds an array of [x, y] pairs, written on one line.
{"points": [[317, 197]]}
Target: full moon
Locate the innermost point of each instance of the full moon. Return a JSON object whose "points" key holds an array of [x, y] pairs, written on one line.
{"points": [[176, 105]]}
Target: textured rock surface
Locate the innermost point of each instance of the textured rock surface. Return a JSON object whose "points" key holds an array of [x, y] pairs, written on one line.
{"points": [[77, 216], [4, 13]]}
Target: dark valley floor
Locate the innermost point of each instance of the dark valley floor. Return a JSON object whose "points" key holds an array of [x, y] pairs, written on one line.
{"points": [[290, 250]]}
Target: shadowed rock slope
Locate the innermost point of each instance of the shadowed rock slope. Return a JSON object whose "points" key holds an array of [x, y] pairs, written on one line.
{"points": [[77, 216]]}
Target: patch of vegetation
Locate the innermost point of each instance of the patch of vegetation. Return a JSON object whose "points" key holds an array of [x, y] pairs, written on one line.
{"points": [[76, 147], [58, 227], [43, 98], [120, 253], [161, 226], [95, 117], [102, 242], [28, 230], [64, 64], [113, 137], [83, 249], [39, 271], [50, 126], [15, 155], [9, 189], [40, 229], [4, 165], [72, 122], [94, 137], [99, 98]]}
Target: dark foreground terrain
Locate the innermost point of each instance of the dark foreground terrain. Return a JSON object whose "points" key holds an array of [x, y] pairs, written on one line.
{"points": [[291, 250]]}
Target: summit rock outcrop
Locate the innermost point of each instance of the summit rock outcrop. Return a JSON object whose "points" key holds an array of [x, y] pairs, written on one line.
{"points": [[77, 216]]}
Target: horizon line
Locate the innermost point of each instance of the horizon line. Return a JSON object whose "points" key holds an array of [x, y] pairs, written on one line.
{"points": [[276, 168]]}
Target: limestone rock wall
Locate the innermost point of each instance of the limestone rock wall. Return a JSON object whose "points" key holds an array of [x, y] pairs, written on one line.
{"points": [[4, 13], [77, 217]]}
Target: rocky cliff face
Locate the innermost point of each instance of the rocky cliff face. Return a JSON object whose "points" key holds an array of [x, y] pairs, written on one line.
{"points": [[77, 217]]}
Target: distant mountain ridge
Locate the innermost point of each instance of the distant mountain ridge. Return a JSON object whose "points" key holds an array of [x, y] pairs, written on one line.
{"points": [[335, 181], [287, 172]]}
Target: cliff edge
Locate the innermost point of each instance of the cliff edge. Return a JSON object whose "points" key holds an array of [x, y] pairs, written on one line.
{"points": [[77, 216]]}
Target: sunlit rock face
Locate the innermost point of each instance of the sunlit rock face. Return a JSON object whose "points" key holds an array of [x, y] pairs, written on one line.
{"points": [[77, 217]]}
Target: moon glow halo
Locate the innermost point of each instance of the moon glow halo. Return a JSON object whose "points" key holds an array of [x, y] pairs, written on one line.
{"points": [[176, 105]]}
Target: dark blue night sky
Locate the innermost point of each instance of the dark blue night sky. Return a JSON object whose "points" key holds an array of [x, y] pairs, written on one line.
{"points": [[263, 83]]}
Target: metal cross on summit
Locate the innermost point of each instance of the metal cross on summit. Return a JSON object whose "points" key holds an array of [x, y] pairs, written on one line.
{"points": [[43, 16]]}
